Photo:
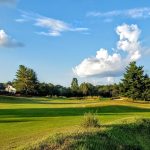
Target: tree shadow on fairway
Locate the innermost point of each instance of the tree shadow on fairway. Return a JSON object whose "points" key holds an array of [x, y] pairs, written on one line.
{"points": [[22, 100], [59, 112], [15, 120], [40, 100]]}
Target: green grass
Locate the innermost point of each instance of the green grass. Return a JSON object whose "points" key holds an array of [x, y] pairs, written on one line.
{"points": [[129, 135], [24, 121]]}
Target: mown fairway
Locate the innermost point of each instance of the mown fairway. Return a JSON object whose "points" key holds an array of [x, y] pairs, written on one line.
{"points": [[26, 120]]}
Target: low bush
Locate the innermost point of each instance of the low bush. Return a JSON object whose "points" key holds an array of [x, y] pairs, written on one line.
{"points": [[90, 120]]}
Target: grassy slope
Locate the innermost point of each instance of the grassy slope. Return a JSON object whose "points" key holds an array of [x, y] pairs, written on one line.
{"points": [[25, 120], [132, 134]]}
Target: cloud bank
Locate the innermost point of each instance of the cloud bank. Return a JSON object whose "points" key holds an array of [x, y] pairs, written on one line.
{"points": [[7, 41], [106, 65]]}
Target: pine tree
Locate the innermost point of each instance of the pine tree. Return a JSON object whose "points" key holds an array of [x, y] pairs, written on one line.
{"points": [[26, 81], [146, 92], [133, 82]]}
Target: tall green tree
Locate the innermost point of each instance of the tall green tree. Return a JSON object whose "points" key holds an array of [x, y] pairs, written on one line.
{"points": [[84, 89], [104, 90], [134, 81], [115, 90], [146, 92], [26, 81], [45, 89], [74, 85]]}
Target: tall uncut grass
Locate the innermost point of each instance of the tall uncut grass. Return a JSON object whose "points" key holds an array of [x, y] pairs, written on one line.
{"points": [[90, 120]]}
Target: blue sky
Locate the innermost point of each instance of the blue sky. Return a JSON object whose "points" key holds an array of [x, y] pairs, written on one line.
{"points": [[92, 40]]}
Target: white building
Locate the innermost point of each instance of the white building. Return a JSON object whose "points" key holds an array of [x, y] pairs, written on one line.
{"points": [[10, 89]]}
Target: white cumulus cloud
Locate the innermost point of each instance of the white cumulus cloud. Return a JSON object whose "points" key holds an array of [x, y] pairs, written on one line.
{"points": [[7, 41], [101, 65], [106, 65], [129, 40]]}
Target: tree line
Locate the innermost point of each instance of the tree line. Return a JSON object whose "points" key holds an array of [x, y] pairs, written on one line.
{"points": [[135, 84]]}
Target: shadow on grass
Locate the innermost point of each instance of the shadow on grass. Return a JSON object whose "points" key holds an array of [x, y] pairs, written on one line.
{"points": [[15, 120], [22, 100], [40, 100], [58, 112]]}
